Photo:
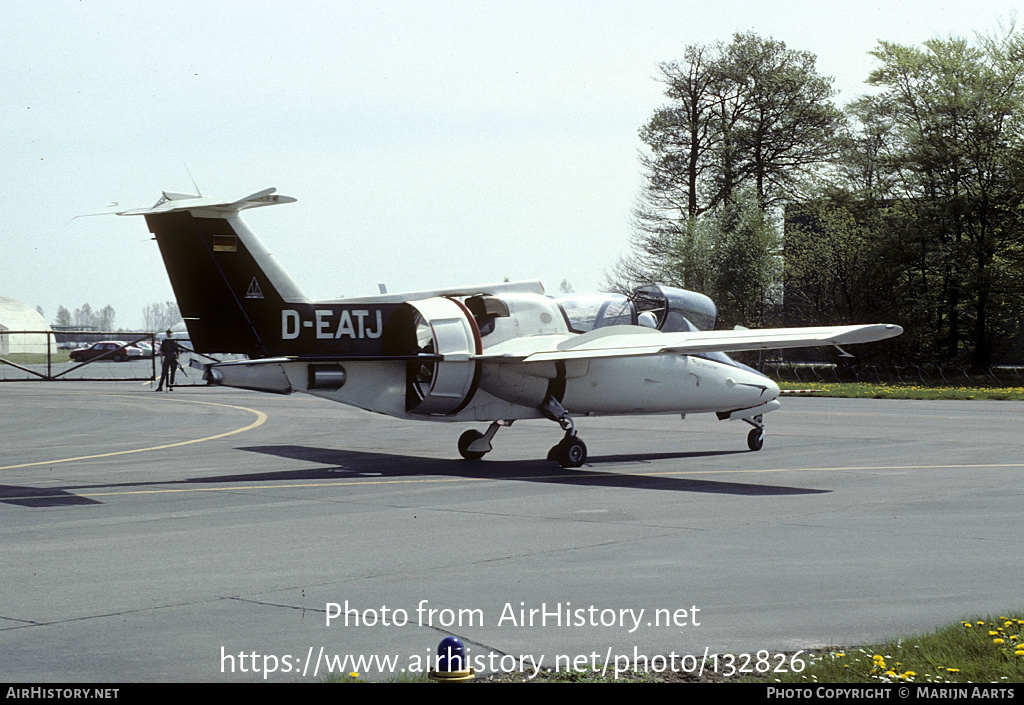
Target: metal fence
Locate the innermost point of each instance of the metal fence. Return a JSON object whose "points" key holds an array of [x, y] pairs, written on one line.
{"points": [[59, 355], [946, 374], [64, 355]]}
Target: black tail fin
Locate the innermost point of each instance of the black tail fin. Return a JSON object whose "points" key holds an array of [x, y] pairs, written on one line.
{"points": [[230, 289]]}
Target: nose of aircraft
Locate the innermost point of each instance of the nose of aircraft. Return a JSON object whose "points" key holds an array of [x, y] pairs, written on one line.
{"points": [[756, 388]]}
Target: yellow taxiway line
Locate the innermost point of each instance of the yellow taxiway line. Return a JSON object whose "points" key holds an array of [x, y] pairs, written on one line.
{"points": [[260, 419]]}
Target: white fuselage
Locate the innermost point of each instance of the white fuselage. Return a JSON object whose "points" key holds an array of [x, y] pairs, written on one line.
{"points": [[659, 384], [496, 383]]}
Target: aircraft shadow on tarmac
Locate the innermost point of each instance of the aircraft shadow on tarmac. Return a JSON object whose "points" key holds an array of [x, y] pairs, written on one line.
{"points": [[336, 464], [40, 497]]}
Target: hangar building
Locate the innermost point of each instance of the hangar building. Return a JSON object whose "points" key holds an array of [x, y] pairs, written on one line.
{"points": [[16, 316]]}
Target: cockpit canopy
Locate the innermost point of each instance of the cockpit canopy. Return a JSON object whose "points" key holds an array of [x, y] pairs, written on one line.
{"points": [[586, 312], [676, 309], [661, 307]]}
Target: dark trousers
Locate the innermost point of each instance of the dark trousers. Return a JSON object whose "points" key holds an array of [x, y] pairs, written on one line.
{"points": [[167, 372]]}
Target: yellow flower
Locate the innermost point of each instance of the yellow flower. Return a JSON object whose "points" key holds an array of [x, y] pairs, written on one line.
{"points": [[353, 674], [952, 670], [997, 641]]}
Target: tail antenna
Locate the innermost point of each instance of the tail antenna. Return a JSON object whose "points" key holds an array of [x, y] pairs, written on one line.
{"points": [[194, 184]]}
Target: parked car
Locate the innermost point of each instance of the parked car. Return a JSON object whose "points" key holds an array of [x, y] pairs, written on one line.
{"points": [[115, 350]]}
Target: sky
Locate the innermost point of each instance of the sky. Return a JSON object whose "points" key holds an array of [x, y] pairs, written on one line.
{"points": [[429, 144]]}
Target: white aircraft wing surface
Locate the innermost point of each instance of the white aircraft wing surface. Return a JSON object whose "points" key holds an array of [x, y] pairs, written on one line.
{"points": [[626, 341]]}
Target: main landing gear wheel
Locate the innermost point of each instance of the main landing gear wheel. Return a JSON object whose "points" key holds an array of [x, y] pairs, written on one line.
{"points": [[466, 440], [570, 452], [755, 439]]}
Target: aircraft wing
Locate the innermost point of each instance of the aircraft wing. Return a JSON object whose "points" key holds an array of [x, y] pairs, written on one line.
{"points": [[626, 341]]}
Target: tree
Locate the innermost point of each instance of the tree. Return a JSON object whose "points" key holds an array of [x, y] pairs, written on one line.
{"points": [[748, 121], [85, 318], [951, 152], [783, 124], [733, 257], [837, 266], [105, 318], [63, 317], [159, 317], [752, 111], [730, 255], [682, 134]]}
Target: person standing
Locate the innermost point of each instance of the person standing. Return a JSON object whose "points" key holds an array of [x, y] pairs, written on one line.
{"points": [[169, 351]]}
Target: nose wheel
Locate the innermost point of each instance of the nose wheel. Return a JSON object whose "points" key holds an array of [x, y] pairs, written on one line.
{"points": [[755, 439]]}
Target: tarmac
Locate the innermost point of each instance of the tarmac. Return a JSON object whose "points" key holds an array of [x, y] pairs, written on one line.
{"points": [[212, 535]]}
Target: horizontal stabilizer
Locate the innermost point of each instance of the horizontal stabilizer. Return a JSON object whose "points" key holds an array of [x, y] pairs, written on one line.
{"points": [[177, 202]]}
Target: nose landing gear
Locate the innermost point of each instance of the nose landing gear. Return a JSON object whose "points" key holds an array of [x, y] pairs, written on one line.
{"points": [[755, 439]]}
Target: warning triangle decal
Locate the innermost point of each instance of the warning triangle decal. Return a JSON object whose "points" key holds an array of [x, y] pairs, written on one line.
{"points": [[254, 291]]}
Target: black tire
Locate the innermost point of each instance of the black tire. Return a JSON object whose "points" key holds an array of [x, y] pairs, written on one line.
{"points": [[755, 439], [467, 439], [571, 452]]}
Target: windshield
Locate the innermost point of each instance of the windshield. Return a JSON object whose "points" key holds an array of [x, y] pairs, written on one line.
{"points": [[589, 311]]}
